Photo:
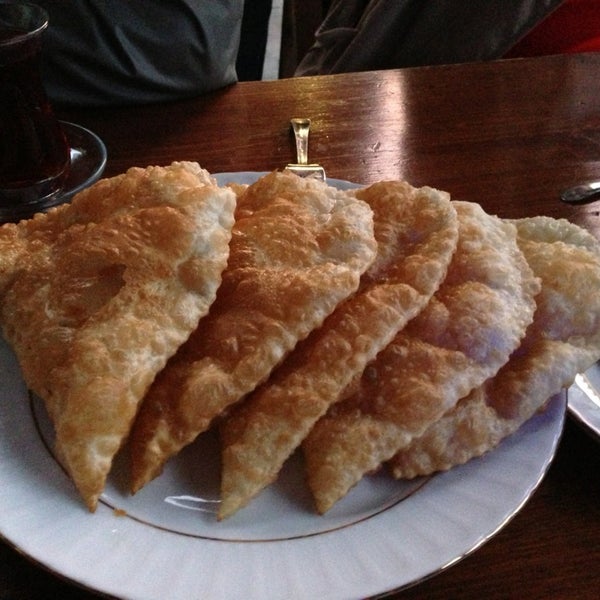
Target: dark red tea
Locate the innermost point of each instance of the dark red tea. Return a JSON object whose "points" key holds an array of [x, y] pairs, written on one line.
{"points": [[34, 153]]}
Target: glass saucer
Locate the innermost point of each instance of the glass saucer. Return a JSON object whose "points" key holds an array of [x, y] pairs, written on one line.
{"points": [[88, 159]]}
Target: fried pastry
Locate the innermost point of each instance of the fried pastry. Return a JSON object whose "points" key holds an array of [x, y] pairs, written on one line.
{"points": [[465, 334], [563, 339], [416, 232], [298, 248], [98, 294]]}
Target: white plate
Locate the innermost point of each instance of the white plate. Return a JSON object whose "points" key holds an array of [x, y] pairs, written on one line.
{"points": [[584, 400], [165, 543]]}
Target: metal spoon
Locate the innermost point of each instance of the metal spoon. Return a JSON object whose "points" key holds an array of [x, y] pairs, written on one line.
{"points": [[582, 193], [302, 167]]}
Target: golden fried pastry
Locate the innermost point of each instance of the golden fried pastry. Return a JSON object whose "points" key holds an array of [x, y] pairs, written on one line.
{"points": [[298, 248], [564, 339], [98, 294], [464, 335], [417, 232]]}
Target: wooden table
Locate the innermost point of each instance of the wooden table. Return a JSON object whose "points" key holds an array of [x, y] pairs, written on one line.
{"points": [[509, 135]]}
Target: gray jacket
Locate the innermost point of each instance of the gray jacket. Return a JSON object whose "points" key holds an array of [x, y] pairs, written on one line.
{"points": [[360, 35], [103, 52]]}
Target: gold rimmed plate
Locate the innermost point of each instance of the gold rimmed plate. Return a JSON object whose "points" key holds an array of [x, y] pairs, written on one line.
{"points": [[165, 542]]}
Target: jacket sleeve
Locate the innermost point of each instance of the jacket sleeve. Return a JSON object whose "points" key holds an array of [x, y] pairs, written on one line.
{"points": [[360, 35], [108, 52]]}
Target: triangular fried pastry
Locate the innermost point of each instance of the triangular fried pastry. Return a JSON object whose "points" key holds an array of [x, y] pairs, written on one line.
{"points": [[100, 293], [464, 335], [298, 248], [417, 232], [563, 339]]}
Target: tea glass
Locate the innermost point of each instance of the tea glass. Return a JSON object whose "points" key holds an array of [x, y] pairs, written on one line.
{"points": [[34, 151]]}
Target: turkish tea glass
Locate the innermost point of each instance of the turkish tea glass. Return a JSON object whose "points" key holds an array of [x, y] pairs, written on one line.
{"points": [[34, 152]]}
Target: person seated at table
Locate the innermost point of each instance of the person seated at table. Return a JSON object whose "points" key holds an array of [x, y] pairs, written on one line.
{"points": [[110, 52], [359, 35]]}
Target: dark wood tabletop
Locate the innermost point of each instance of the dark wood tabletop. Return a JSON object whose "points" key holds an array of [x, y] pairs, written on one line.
{"points": [[510, 135]]}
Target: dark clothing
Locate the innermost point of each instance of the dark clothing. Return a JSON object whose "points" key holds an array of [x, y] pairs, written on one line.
{"points": [[107, 52], [253, 42], [360, 35]]}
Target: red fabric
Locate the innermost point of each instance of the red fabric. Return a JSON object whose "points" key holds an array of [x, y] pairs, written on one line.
{"points": [[573, 27]]}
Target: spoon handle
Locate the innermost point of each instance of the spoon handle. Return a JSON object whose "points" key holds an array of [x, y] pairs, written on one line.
{"points": [[579, 194], [301, 128]]}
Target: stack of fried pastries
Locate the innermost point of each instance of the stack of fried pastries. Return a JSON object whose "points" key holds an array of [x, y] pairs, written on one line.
{"points": [[383, 326]]}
